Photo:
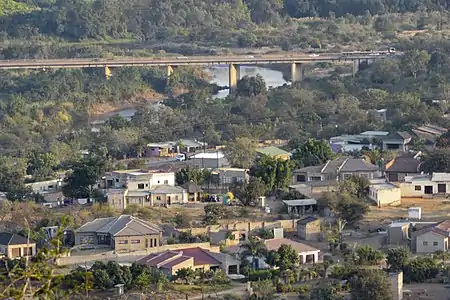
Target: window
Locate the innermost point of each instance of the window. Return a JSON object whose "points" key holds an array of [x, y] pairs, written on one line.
{"points": [[135, 241], [123, 242], [435, 243], [166, 181], [301, 178], [364, 175], [176, 197], [346, 176], [158, 198], [158, 181], [425, 243], [50, 187], [141, 186], [315, 178], [146, 185], [117, 179], [417, 188]]}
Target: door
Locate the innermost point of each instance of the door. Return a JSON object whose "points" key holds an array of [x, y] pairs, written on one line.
{"points": [[168, 200], [442, 188]]}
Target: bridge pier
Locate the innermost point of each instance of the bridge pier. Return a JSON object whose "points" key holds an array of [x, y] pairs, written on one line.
{"points": [[169, 70], [356, 64], [234, 74], [107, 72], [297, 72]]}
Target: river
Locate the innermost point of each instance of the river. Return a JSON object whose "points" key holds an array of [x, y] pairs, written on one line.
{"points": [[219, 76]]}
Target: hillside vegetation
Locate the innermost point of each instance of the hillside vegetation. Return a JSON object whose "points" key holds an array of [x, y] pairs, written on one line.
{"points": [[12, 7]]}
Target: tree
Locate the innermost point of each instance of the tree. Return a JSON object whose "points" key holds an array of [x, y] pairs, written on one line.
{"points": [[276, 173], [214, 212], [368, 255], [42, 165], [443, 141], [312, 152], [350, 209], [195, 175], [251, 86], [248, 193], [241, 152], [118, 122], [355, 185], [370, 285], [325, 291], [415, 62], [398, 258], [284, 258], [436, 161], [82, 181], [421, 269], [102, 280], [186, 274], [254, 248]]}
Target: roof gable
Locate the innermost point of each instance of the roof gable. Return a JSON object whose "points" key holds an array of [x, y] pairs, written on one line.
{"points": [[357, 165], [7, 238], [403, 164], [120, 226]]}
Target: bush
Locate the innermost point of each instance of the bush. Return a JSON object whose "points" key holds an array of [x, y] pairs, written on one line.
{"points": [[259, 275]]}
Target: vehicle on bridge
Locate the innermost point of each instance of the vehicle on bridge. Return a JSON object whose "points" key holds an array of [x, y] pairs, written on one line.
{"points": [[383, 52]]}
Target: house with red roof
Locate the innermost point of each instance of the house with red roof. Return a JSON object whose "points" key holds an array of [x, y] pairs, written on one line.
{"points": [[170, 261]]}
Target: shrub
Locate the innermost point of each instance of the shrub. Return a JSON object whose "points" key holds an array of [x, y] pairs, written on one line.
{"points": [[259, 275]]}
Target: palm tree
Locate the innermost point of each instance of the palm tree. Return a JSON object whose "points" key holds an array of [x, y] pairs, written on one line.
{"points": [[255, 248]]}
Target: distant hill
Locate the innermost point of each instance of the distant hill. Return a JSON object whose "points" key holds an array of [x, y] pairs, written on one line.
{"points": [[11, 7]]}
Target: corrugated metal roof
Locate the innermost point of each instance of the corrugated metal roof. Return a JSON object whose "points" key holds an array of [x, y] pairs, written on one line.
{"points": [[167, 189], [440, 177], [356, 164], [300, 202], [116, 225]]}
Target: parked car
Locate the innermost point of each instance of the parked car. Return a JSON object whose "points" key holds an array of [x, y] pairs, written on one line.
{"points": [[180, 157]]}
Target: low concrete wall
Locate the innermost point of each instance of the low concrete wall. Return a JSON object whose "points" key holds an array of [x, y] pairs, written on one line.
{"points": [[80, 258]]}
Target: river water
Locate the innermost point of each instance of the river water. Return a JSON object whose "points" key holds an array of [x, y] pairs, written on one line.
{"points": [[219, 76]]}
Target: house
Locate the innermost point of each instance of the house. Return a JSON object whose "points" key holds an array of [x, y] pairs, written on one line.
{"points": [[407, 164], [121, 234], [307, 254], [425, 185], [378, 114], [301, 206], [138, 179], [315, 188], [371, 139], [48, 186], [274, 152], [308, 229], [145, 188], [336, 170], [432, 238], [166, 148], [169, 262], [209, 160], [385, 193], [16, 246], [396, 141], [429, 133], [193, 191]]}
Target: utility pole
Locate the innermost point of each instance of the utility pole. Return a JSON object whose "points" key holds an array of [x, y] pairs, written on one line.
{"points": [[86, 280]]}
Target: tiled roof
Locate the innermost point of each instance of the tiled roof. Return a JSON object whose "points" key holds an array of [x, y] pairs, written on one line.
{"points": [[191, 187], [154, 259], [201, 256], [356, 164], [175, 262], [119, 226], [443, 226], [7, 238], [274, 244], [403, 164], [167, 189]]}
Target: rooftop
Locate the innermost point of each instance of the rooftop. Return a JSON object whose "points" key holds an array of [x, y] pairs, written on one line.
{"points": [[383, 186], [274, 244], [440, 177], [306, 220], [356, 164], [167, 189], [300, 202], [374, 133], [122, 225], [403, 164], [272, 151], [208, 155], [7, 238], [191, 187]]}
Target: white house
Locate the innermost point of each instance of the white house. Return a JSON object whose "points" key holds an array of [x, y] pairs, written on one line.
{"points": [[425, 185], [385, 193]]}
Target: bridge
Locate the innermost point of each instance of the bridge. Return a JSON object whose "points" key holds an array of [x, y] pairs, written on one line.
{"points": [[297, 61]]}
